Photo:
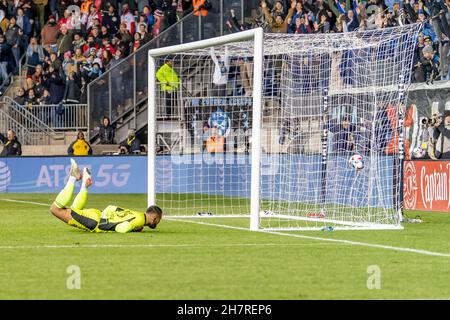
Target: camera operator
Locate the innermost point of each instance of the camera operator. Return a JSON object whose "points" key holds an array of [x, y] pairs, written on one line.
{"points": [[442, 131]]}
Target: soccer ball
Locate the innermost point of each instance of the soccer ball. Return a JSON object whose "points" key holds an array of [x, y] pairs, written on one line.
{"points": [[356, 161], [418, 153]]}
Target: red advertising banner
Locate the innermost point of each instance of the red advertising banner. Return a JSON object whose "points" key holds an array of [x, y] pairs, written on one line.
{"points": [[427, 185]]}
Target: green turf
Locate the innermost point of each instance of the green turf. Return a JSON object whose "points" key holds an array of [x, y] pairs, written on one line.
{"points": [[180, 260]]}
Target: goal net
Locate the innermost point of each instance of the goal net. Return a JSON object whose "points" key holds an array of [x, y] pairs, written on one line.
{"points": [[289, 131]]}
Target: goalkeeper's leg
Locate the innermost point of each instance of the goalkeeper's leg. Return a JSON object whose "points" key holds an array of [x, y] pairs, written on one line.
{"points": [[86, 219], [59, 206], [80, 199]]}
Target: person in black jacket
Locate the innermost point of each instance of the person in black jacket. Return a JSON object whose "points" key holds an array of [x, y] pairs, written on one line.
{"points": [[111, 20], [6, 58], [56, 87], [106, 132], [11, 146], [72, 91]]}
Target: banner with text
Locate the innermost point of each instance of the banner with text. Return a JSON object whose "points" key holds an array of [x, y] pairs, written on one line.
{"points": [[427, 185]]}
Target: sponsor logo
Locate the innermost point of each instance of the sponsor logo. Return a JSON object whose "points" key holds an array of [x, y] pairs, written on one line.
{"points": [[410, 186], [435, 185], [106, 175], [5, 176]]}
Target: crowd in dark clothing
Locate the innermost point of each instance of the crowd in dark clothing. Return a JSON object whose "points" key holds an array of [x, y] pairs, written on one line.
{"points": [[69, 43]]}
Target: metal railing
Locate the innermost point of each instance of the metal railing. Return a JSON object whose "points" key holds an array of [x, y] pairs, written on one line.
{"points": [[50, 117], [61, 117], [124, 86], [26, 136]]}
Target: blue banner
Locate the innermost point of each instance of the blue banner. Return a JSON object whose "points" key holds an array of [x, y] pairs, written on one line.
{"points": [[283, 177], [49, 174]]}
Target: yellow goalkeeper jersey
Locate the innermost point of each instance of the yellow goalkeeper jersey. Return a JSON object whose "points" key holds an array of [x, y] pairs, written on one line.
{"points": [[120, 220]]}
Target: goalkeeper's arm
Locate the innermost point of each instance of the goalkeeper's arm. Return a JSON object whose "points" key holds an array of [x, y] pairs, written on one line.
{"points": [[124, 227]]}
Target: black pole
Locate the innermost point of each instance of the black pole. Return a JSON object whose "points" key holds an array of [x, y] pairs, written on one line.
{"points": [[399, 159], [324, 152]]}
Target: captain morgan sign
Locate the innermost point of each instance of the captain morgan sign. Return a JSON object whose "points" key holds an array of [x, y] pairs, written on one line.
{"points": [[427, 185]]}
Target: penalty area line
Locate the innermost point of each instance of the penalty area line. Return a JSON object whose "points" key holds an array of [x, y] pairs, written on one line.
{"points": [[341, 241]]}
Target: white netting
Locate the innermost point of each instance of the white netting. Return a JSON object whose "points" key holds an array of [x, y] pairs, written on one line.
{"points": [[326, 98]]}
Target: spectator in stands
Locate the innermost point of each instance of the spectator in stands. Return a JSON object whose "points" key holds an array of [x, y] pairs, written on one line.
{"points": [[54, 62], [220, 76], [49, 34], [64, 41], [45, 99], [352, 21], [72, 92], [20, 97], [170, 82], [11, 145], [78, 42], [106, 133], [35, 55], [131, 145], [6, 58], [277, 23], [4, 22], [38, 75], [13, 38], [128, 18], [158, 25], [30, 99], [427, 68], [111, 21], [29, 84], [79, 59], [125, 38], [68, 65], [143, 34], [56, 87], [83, 91], [39, 6], [80, 147]]}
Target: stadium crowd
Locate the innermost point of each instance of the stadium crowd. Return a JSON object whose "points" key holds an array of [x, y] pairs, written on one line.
{"points": [[431, 58], [69, 43]]}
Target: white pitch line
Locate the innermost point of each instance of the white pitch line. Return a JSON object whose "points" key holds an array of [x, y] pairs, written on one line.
{"points": [[342, 241]]}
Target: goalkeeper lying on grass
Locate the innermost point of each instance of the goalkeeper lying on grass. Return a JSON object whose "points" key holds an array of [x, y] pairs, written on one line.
{"points": [[110, 219]]}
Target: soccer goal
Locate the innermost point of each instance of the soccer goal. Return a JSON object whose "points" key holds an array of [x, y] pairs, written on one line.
{"points": [[286, 132]]}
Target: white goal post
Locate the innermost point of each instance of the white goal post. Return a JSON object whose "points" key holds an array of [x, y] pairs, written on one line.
{"points": [[257, 35], [293, 132]]}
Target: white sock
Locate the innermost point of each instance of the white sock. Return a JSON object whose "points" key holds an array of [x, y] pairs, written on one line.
{"points": [[72, 180]]}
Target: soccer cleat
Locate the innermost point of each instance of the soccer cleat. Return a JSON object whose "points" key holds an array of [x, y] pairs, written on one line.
{"points": [[87, 181], [75, 170]]}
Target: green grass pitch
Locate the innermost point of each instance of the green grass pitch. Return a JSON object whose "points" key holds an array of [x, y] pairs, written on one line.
{"points": [[188, 260]]}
